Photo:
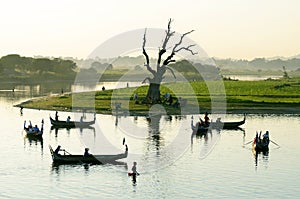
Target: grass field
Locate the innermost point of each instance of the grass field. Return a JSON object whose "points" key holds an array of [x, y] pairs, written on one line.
{"points": [[268, 96]]}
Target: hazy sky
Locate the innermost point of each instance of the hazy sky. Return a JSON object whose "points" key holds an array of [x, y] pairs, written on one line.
{"points": [[223, 28]]}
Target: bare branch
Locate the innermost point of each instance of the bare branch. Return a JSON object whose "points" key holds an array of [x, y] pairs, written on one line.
{"points": [[169, 58], [181, 39], [144, 81], [170, 69], [147, 64], [144, 44], [169, 34], [175, 50], [187, 49]]}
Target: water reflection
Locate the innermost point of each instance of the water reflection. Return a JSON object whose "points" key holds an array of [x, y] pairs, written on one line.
{"points": [[261, 157], [34, 141], [154, 123], [208, 137], [57, 168], [154, 134], [57, 129]]}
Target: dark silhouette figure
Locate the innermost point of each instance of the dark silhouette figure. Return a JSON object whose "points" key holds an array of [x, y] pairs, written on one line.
{"points": [[56, 116], [58, 149], [134, 172], [86, 152], [206, 118]]}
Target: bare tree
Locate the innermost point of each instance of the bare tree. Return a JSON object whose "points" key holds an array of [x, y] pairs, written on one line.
{"points": [[153, 94]]}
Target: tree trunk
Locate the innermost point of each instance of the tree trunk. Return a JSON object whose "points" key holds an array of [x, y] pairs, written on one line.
{"points": [[153, 95]]}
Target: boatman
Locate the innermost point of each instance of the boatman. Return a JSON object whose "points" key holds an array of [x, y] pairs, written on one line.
{"points": [[58, 149], [206, 118], [56, 116], [134, 172]]}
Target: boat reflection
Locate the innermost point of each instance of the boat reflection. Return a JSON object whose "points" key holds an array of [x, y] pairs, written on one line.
{"points": [[261, 157], [34, 141], [57, 168], [56, 129]]}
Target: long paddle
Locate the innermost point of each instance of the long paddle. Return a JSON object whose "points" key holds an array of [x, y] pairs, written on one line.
{"points": [[274, 143], [249, 142]]}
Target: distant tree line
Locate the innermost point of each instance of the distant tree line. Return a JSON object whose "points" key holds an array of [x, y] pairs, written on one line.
{"points": [[15, 67], [258, 64]]}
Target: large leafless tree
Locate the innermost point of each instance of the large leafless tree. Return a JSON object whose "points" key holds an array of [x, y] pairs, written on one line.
{"points": [[153, 94]]}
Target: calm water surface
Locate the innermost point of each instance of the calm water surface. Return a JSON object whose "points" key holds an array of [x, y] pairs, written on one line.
{"points": [[216, 166]]}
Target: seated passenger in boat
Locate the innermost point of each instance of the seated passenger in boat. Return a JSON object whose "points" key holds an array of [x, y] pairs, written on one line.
{"points": [[68, 119], [206, 118], [266, 138], [36, 128], [86, 152]]}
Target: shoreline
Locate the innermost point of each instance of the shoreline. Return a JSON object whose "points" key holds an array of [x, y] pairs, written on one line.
{"points": [[260, 109]]}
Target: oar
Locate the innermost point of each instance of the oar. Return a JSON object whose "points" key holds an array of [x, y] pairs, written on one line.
{"points": [[249, 142], [274, 143], [67, 152]]}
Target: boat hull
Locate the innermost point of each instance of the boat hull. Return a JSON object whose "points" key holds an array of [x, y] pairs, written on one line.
{"points": [[71, 124], [33, 134], [90, 159], [226, 125]]}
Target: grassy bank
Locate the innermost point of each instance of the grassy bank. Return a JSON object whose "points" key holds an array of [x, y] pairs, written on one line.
{"points": [[269, 96]]}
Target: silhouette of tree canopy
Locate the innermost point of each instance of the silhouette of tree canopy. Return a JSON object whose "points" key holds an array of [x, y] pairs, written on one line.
{"points": [[15, 66]]}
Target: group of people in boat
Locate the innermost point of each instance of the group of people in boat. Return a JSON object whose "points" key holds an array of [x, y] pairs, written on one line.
{"points": [[264, 141], [68, 118], [56, 117], [33, 129], [58, 149], [205, 122]]}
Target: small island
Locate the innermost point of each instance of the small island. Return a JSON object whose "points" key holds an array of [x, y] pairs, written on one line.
{"points": [[279, 96]]}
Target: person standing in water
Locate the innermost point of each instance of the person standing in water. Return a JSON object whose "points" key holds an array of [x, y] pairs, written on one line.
{"points": [[134, 172]]}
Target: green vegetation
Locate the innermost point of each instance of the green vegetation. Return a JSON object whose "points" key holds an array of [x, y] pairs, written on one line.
{"points": [[259, 64], [27, 69], [15, 68], [269, 96]]}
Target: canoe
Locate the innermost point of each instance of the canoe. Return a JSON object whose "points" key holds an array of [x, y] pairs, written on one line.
{"points": [[198, 128], [260, 145], [71, 124], [31, 132], [90, 159], [226, 125]]}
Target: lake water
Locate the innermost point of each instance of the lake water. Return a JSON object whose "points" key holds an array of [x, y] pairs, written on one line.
{"points": [[172, 163], [252, 77]]}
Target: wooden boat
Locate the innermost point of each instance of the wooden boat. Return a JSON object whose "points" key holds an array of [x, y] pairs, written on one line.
{"points": [[261, 145], [90, 159], [34, 135], [32, 132], [198, 128], [226, 125], [71, 124]]}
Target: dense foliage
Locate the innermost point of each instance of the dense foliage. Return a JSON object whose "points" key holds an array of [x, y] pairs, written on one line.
{"points": [[17, 68]]}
